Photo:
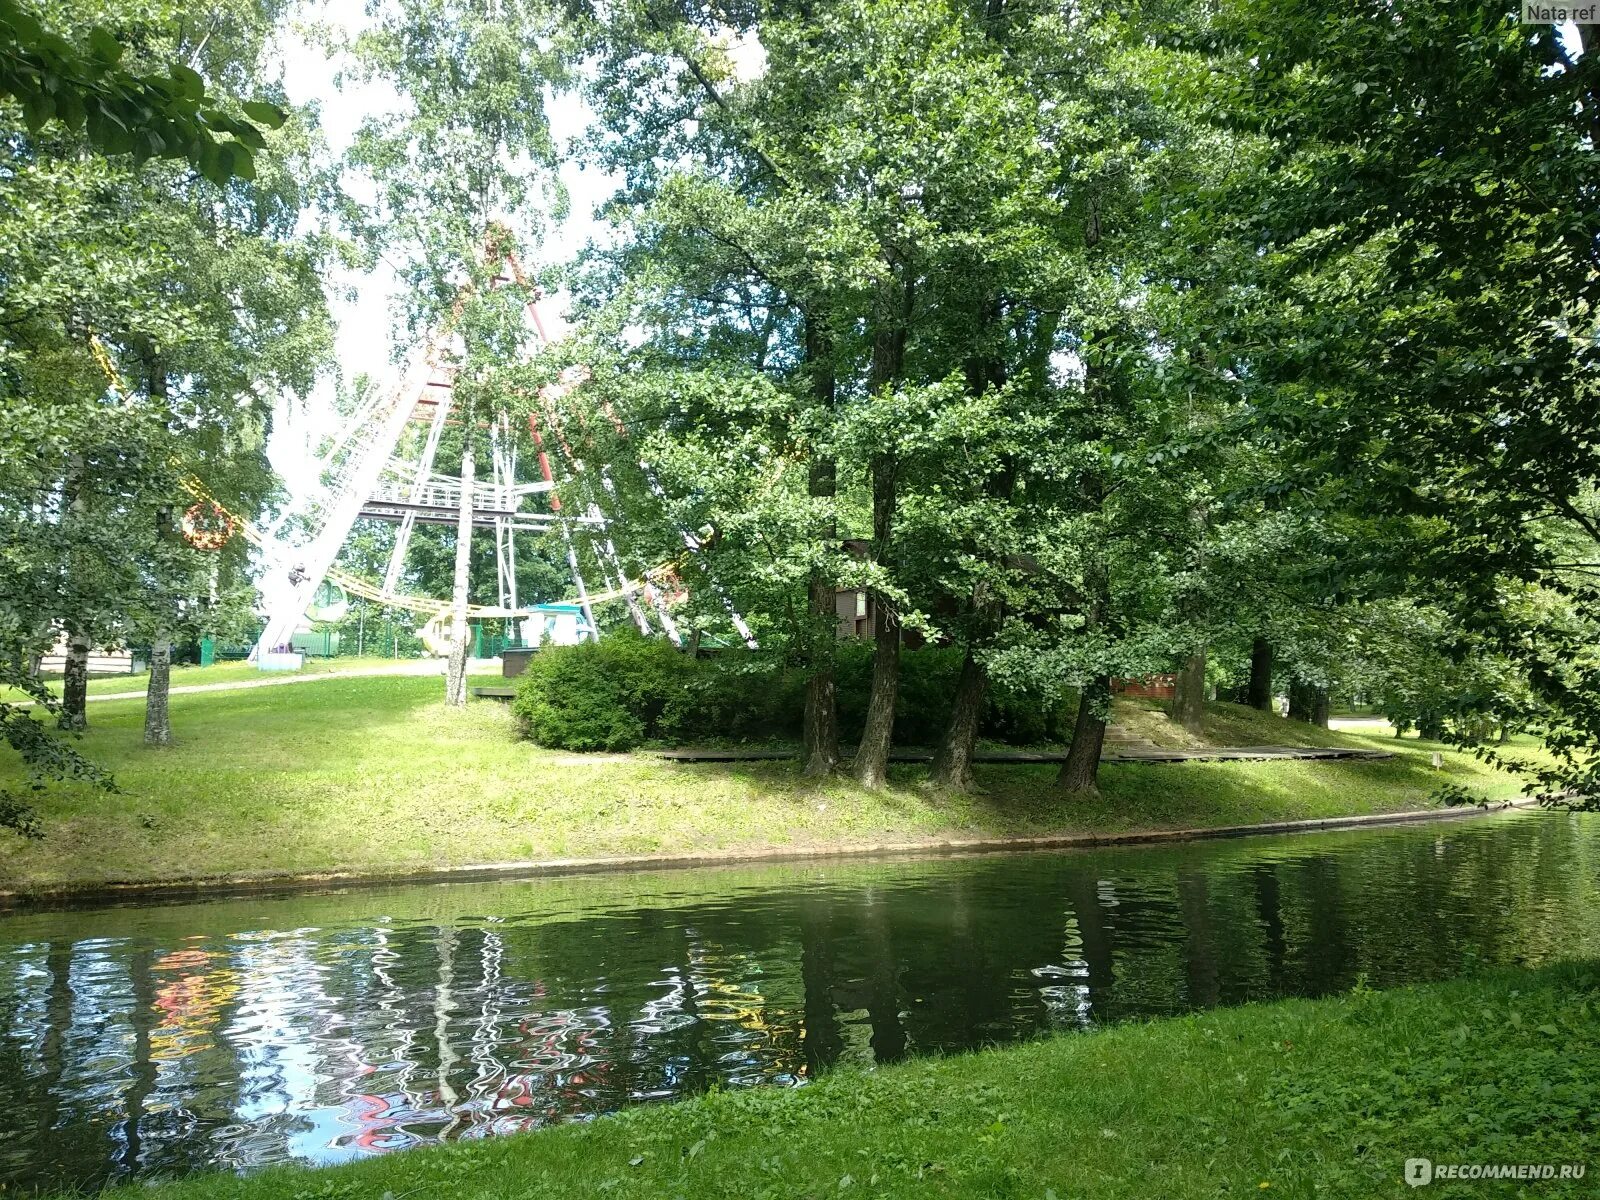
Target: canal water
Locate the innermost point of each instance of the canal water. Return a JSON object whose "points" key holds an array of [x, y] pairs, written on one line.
{"points": [[158, 1040]]}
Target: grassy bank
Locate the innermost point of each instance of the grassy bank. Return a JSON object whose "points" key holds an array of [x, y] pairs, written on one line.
{"points": [[1326, 1097], [374, 774], [187, 675]]}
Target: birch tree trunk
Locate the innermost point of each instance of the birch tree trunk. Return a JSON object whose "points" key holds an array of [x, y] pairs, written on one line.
{"points": [[157, 712], [75, 680], [75, 667], [455, 683], [157, 716]]}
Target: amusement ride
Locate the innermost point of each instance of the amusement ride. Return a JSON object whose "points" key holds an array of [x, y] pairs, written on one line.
{"points": [[375, 466]]}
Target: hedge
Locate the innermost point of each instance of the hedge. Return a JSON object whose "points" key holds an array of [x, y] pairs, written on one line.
{"points": [[626, 690]]}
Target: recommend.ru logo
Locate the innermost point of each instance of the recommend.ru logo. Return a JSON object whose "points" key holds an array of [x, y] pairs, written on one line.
{"points": [[1421, 1171]]}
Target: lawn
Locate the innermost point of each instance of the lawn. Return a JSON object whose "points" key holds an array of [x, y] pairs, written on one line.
{"points": [[187, 675], [374, 774], [1324, 1097]]}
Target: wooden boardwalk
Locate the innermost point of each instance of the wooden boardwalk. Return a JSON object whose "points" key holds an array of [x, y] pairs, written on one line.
{"points": [[1141, 755]]}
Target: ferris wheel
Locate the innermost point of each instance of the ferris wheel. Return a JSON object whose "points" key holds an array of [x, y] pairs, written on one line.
{"points": [[379, 464]]}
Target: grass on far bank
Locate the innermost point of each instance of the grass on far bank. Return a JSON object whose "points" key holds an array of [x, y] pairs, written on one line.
{"points": [[188, 675], [373, 774], [1304, 1097]]}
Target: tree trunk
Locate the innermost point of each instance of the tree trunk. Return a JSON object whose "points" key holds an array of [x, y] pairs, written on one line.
{"points": [[1260, 693], [455, 683], [877, 735], [952, 764], [872, 755], [157, 719], [1189, 697], [819, 732], [75, 667], [75, 681], [1299, 701], [819, 727], [1081, 771], [1309, 703], [157, 712]]}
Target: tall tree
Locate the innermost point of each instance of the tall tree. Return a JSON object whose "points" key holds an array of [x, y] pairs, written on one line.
{"points": [[464, 174]]}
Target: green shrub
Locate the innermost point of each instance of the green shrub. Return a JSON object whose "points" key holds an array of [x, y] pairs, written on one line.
{"points": [[625, 690], [737, 696], [928, 679], [606, 695]]}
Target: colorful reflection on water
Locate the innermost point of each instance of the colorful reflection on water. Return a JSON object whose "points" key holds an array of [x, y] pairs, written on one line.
{"points": [[142, 1041]]}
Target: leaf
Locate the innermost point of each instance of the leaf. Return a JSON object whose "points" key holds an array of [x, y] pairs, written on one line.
{"points": [[25, 26], [69, 107], [105, 46], [263, 113], [213, 166], [188, 80], [37, 109]]}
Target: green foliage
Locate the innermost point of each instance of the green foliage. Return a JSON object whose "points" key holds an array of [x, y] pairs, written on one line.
{"points": [[606, 695], [150, 315], [46, 756], [624, 690], [146, 115]]}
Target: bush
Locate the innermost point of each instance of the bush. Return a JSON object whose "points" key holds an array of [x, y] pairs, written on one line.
{"points": [[606, 695], [625, 690], [737, 696]]}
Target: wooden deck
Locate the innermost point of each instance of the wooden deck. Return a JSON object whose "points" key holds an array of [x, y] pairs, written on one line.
{"points": [[1221, 754]]}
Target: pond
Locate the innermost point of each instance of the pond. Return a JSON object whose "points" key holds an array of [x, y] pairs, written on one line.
{"points": [[233, 1034]]}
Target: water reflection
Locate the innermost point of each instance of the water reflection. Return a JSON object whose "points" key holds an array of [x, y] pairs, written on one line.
{"points": [[155, 1041]]}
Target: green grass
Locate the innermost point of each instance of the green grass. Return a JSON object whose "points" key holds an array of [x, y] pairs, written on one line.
{"points": [[185, 675], [375, 775], [1322, 1098]]}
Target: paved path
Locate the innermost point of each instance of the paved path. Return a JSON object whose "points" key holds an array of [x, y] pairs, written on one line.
{"points": [[1153, 755]]}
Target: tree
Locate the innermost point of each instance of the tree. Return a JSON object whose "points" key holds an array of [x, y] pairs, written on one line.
{"points": [[1405, 289], [140, 113], [461, 169], [148, 311]]}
